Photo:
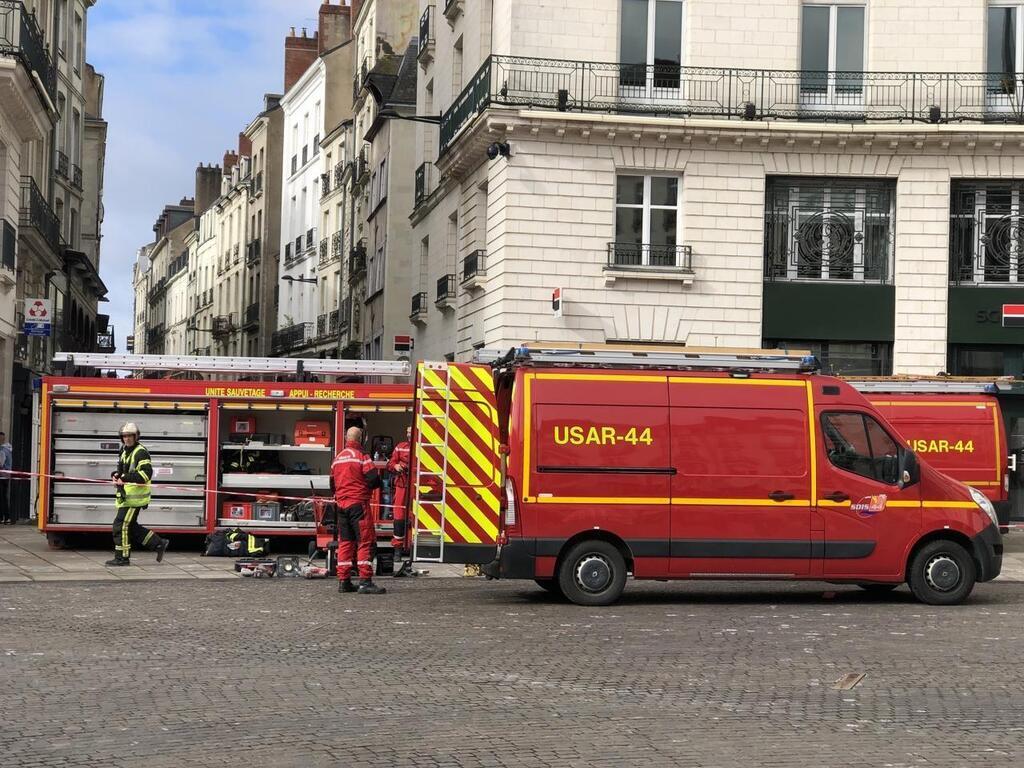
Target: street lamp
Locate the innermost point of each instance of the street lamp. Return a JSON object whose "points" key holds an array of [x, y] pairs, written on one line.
{"points": [[390, 113], [292, 279]]}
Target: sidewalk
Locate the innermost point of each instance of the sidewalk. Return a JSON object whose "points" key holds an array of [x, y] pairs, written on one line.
{"points": [[25, 557]]}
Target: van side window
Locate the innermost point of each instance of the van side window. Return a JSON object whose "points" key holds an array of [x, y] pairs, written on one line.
{"points": [[857, 443]]}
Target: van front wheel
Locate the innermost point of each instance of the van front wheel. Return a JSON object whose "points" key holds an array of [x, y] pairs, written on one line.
{"points": [[592, 573], [942, 573]]}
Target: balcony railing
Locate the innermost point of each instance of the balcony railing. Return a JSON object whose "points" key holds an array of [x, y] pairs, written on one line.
{"points": [[634, 256], [236, 253], [742, 94], [223, 325], [345, 314], [424, 182], [339, 174], [257, 185], [321, 325], [474, 265], [252, 315], [292, 338], [333, 322], [35, 212], [310, 238], [445, 289], [76, 177], [337, 243], [357, 262], [324, 257], [426, 49], [298, 247], [20, 37], [63, 166], [253, 252], [419, 305]]}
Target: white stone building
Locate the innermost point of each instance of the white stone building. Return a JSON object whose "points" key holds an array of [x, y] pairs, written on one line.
{"points": [[720, 172], [298, 303]]}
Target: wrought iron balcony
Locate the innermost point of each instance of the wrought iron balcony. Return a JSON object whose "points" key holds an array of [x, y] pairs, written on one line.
{"points": [[337, 243], [292, 338], [63, 165], [445, 290], [253, 252], [357, 262], [321, 325], [424, 182], [333, 322], [310, 238], [298, 247], [76, 177], [339, 174], [345, 314], [645, 256], [740, 94], [324, 255], [419, 306], [21, 38], [474, 266], [36, 213], [325, 185], [252, 315], [155, 336], [236, 253], [257, 184], [223, 325], [426, 49]]}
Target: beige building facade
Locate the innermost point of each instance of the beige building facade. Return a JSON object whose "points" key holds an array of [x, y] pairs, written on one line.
{"points": [[739, 174]]}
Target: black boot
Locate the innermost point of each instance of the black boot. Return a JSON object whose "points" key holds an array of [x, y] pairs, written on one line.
{"points": [[117, 561], [346, 585], [367, 587], [160, 548]]}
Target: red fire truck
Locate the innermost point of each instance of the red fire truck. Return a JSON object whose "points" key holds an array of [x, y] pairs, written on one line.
{"points": [[235, 452], [578, 467], [955, 424]]}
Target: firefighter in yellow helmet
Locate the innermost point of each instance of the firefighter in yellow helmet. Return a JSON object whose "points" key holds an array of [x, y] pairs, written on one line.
{"points": [[133, 482]]}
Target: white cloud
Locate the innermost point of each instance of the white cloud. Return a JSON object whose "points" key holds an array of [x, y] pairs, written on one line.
{"points": [[182, 80]]}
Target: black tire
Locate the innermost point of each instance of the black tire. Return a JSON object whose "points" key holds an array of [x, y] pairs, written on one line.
{"points": [[311, 549], [878, 589], [942, 573], [550, 585], [592, 573]]}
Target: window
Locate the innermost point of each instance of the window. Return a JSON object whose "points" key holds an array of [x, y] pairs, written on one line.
{"points": [[844, 358], [986, 360], [457, 67], [832, 53], [986, 232], [379, 184], [651, 46], [79, 43], [62, 26], [824, 229], [856, 443], [1004, 55], [646, 221]]}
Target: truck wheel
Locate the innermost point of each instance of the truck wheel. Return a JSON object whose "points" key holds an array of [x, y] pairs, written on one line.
{"points": [[550, 585], [592, 573], [56, 541], [942, 573], [878, 589]]}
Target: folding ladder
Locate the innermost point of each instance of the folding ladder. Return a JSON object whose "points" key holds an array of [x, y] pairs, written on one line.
{"points": [[264, 366], [431, 485]]}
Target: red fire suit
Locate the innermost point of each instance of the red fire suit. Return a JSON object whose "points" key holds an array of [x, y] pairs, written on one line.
{"points": [[398, 465], [353, 476]]}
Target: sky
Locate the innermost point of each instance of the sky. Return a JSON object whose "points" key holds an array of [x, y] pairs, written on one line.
{"points": [[183, 77]]}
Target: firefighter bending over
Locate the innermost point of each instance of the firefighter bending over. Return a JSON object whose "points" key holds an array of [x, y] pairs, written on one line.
{"points": [[353, 477], [398, 465], [133, 480]]}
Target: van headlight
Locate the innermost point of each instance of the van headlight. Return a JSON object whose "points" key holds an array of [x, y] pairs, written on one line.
{"points": [[982, 501]]}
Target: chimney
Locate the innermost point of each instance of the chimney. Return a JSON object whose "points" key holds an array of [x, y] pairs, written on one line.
{"points": [[271, 101], [207, 187], [230, 161], [299, 54], [244, 145], [335, 25]]}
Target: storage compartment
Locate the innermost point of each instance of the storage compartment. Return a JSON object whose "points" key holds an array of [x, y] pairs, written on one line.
{"points": [[160, 514], [237, 510], [108, 424], [113, 445], [312, 433], [98, 466], [106, 490]]}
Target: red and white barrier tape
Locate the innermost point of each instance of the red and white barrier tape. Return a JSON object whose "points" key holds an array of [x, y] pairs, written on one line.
{"points": [[270, 497]]}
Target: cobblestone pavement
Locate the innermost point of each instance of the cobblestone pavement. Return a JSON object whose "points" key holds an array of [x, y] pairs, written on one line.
{"points": [[464, 672]]}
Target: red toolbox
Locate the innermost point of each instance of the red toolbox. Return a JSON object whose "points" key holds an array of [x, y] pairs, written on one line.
{"points": [[312, 433], [237, 510]]}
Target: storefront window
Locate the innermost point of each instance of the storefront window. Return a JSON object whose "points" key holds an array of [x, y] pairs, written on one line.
{"points": [[990, 360], [844, 358], [986, 232]]}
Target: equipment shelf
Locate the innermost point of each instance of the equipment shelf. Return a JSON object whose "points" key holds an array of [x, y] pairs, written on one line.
{"points": [[263, 447], [296, 482]]}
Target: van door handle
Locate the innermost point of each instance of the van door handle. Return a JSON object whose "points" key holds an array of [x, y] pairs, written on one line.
{"points": [[837, 496], [780, 496]]}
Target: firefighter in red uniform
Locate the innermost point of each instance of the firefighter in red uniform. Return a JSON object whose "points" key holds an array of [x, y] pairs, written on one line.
{"points": [[353, 477], [399, 465]]}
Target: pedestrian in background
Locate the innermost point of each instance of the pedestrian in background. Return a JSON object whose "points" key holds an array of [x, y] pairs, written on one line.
{"points": [[6, 464]]}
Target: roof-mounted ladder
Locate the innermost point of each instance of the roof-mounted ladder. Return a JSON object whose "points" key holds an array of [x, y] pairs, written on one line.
{"points": [[619, 356], [931, 384], [262, 366]]}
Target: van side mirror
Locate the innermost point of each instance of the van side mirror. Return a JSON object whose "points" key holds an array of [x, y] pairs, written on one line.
{"points": [[909, 469]]}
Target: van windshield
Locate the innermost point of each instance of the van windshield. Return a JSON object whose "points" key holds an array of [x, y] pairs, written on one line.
{"points": [[857, 443]]}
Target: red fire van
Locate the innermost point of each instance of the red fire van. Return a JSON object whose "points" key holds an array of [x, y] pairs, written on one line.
{"points": [[683, 465]]}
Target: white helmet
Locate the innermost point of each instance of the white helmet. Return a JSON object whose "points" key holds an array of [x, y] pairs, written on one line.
{"points": [[131, 428]]}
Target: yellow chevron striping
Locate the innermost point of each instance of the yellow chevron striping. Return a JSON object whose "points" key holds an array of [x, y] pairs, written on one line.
{"points": [[470, 388], [432, 526], [449, 514], [484, 374], [454, 462], [455, 430]]}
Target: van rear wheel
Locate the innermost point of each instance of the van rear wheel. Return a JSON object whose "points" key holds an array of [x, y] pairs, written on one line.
{"points": [[942, 573], [592, 573]]}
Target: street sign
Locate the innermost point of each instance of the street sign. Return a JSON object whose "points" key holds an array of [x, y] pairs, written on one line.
{"points": [[129, 344], [403, 345], [1013, 315], [556, 302], [38, 313]]}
